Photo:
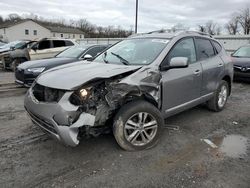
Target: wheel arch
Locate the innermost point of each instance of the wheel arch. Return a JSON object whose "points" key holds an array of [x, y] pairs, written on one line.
{"points": [[145, 96]]}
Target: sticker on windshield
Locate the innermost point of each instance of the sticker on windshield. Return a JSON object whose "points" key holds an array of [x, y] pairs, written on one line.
{"points": [[160, 40]]}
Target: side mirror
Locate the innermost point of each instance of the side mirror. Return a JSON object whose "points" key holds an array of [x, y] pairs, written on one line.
{"points": [[178, 62], [175, 62], [87, 57]]}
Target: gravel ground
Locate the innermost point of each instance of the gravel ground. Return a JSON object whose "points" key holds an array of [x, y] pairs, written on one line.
{"points": [[30, 158]]}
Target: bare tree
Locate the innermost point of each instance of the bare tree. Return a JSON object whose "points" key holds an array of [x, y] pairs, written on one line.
{"points": [[14, 17], [211, 27], [202, 28], [233, 25], [244, 20], [1, 20]]}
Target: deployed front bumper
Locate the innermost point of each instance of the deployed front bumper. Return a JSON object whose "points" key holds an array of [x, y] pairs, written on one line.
{"points": [[53, 117]]}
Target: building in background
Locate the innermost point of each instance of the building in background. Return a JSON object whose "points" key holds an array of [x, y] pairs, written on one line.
{"points": [[30, 30]]}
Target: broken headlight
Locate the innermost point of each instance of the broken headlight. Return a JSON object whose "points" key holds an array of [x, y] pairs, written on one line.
{"points": [[81, 95]]}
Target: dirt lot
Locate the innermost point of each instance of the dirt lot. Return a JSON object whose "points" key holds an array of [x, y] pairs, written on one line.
{"points": [[29, 158]]}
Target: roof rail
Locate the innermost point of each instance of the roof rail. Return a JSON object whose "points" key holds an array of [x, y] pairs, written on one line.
{"points": [[178, 32], [160, 31], [200, 33]]}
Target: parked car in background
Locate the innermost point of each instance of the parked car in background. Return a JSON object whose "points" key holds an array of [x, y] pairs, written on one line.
{"points": [[11, 45], [49, 47], [42, 49], [16, 55], [135, 84], [241, 61], [27, 72], [1, 44]]}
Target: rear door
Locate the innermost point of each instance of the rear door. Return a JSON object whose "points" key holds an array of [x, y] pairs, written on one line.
{"points": [[58, 46], [181, 86], [212, 65]]}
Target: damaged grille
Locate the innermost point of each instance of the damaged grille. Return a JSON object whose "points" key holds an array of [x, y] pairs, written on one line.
{"points": [[46, 94]]}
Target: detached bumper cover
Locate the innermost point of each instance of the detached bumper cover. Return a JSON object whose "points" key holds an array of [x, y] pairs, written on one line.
{"points": [[44, 115]]}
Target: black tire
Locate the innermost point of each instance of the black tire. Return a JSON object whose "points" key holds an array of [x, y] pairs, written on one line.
{"points": [[213, 103], [17, 62], [14, 65], [129, 111]]}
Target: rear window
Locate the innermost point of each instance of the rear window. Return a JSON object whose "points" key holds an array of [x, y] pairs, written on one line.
{"points": [[69, 43], [217, 46], [204, 48]]}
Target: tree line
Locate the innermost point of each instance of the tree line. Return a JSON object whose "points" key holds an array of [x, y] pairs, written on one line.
{"points": [[239, 23], [90, 30]]}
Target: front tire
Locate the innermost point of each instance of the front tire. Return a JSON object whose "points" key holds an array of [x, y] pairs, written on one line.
{"points": [[137, 126], [219, 100]]}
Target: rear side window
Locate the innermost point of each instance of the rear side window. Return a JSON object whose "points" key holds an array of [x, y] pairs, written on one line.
{"points": [[204, 48], [217, 46], [44, 45], [58, 43], [69, 43]]}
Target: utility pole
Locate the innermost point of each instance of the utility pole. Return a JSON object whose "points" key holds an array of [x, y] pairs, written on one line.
{"points": [[136, 15]]}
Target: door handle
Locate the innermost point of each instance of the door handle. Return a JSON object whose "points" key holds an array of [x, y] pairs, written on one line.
{"points": [[220, 65], [197, 72]]}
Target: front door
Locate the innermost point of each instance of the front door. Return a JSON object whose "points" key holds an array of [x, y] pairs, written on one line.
{"points": [[181, 85]]}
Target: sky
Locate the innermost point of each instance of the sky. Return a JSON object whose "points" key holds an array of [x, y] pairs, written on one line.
{"points": [[152, 15]]}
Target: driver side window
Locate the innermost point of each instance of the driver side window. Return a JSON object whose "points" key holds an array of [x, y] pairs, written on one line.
{"points": [[183, 48]]}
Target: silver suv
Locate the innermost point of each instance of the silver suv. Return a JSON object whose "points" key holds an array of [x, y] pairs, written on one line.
{"points": [[131, 88]]}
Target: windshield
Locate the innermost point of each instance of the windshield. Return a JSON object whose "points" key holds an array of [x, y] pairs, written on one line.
{"points": [[242, 52], [133, 51], [11, 44], [20, 45], [73, 52]]}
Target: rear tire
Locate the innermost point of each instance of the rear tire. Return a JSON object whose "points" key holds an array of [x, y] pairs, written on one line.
{"points": [[137, 126], [219, 100]]}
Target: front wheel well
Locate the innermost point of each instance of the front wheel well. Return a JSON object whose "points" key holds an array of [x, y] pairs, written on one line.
{"points": [[145, 97], [228, 80]]}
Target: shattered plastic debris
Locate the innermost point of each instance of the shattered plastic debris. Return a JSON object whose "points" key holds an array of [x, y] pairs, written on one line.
{"points": [[173, 127], [210, 143], [235, 123]]}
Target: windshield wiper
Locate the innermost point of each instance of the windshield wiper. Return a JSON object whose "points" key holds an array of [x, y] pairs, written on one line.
{"points": [[124, 61]]}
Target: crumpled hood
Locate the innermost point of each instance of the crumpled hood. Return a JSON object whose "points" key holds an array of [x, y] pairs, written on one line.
{"points": [[243, 62], [71, 76], [48, 63]]}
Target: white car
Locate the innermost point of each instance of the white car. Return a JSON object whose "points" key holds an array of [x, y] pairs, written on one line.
{"points": [[49, 47]]}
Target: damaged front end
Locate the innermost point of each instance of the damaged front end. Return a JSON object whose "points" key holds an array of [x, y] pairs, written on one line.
{"points": [[70, 115]]}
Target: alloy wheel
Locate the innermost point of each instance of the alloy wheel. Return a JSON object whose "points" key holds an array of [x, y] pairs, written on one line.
{"points": [[140, 129]]}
